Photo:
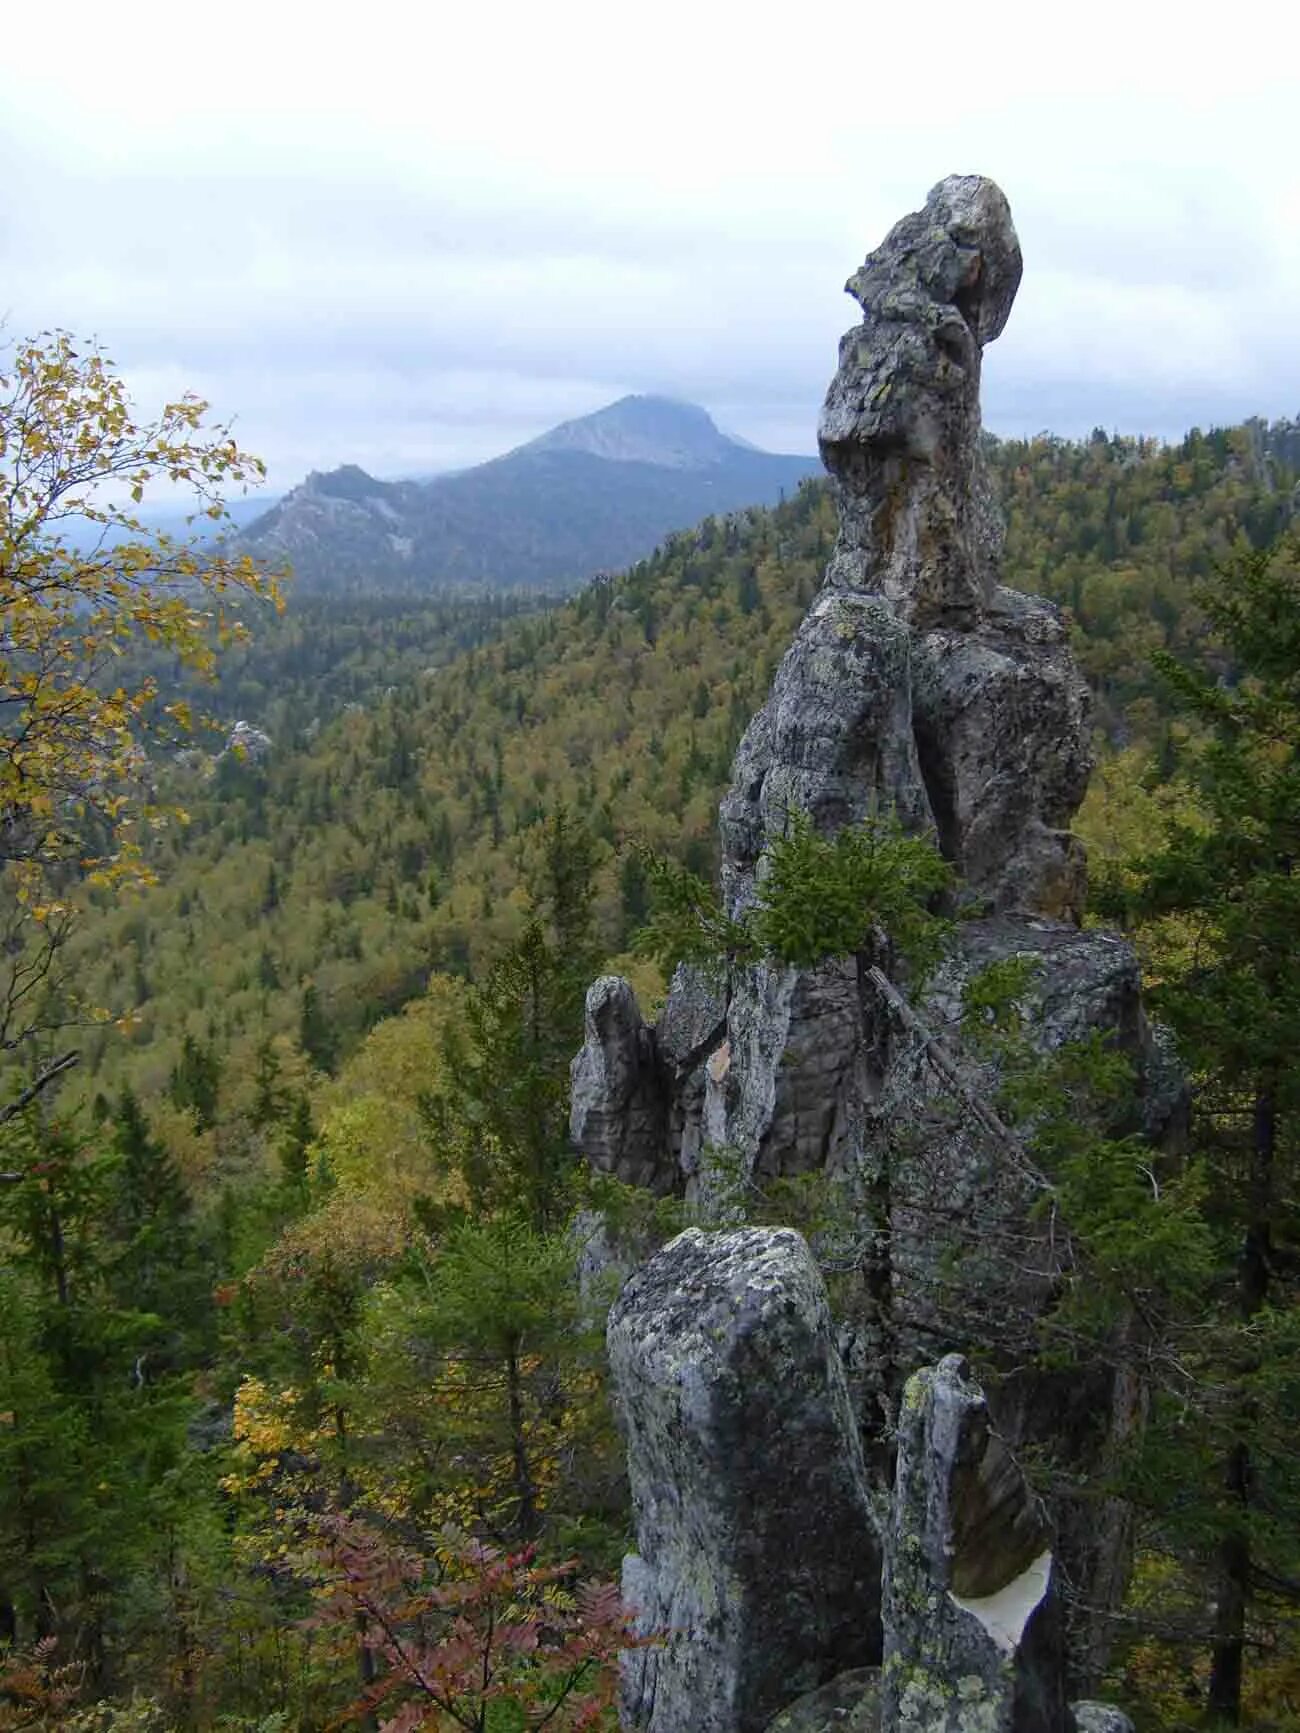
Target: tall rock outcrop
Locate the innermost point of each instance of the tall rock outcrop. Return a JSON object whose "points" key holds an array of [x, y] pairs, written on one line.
{"points": [[758, 1559], [916, 684]]}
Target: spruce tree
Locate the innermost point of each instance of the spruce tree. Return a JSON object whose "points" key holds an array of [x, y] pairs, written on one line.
{"points": [[195, 1081], [503, 1112], [154, 1267]]}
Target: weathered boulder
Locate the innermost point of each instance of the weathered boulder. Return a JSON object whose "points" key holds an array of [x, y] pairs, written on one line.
{"points": [[849, 1704], [1092, 1717], [757, 1550], [973, 1627]]}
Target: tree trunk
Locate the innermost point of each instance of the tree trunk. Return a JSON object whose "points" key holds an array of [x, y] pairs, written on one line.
{"points": [[1232, 1561], [367, 1671], [526, 1520], [58, 1257]]}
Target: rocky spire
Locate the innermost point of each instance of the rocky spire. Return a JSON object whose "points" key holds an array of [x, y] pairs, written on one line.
{"points": [[900, 428], [916, 685]]}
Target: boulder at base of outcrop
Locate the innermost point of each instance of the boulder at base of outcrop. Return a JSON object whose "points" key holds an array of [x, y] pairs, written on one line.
{"points": [[973, 1628], [758, 1560], [1100, 1718], [849, 1704]]}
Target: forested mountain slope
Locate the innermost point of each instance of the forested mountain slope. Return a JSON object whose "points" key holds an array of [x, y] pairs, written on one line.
{"points": [[325, 652], [591, 495], [313, 893], [290, 1278], [1119, 530]]}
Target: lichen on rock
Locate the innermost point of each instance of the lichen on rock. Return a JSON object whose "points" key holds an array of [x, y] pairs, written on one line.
{"points": [[757, 1550], [850, 1703]]}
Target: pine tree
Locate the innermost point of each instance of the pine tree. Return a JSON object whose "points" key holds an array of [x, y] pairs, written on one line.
{"points": [[316, 1034], [155, 1267], [268, 1092], [92, 1494], [195, 1081], [504, 1111], [295, 1141], [502, 1296]]}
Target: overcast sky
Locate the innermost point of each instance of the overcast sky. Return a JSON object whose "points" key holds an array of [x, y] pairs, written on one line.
{"points": [[413, 236]]}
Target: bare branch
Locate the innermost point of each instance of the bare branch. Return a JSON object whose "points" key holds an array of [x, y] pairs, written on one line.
{"points": [[946, 1066], [56, 1069]]}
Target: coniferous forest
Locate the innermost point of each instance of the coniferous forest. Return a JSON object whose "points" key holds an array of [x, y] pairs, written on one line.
{"points": [[303, 1416]]}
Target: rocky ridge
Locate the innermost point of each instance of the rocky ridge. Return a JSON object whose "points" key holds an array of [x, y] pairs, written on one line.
{"points": [[916, 684]]}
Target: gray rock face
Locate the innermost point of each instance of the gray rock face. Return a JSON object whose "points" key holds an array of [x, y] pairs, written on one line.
{"points": [[973, 1632], [636, 1092], [900, 427], [955, 1192], [246, 742], [834, 740], [1001, 717], [757, 1549], [618, 1102], [1100, 1718]]}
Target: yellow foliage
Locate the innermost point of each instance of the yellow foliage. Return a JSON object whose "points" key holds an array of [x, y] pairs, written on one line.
{"points": [[345, 1238], [646, 979], [72, 763], [194, 1152], [1128, 813], [374, 1138]]}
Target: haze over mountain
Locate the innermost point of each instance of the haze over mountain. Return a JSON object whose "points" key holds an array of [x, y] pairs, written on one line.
{"points": [[592, 494]]}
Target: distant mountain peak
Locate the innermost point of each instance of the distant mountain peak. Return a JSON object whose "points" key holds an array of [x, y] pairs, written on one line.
{"points": [[591, 495], [348, 482], [657, 430]]}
